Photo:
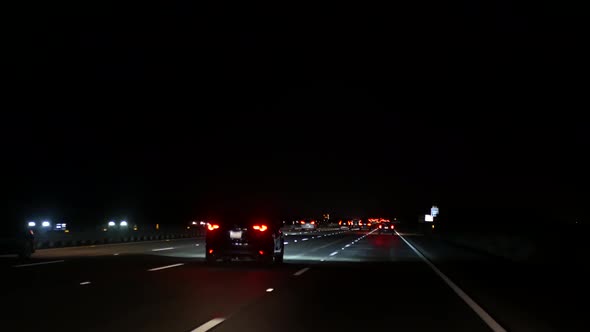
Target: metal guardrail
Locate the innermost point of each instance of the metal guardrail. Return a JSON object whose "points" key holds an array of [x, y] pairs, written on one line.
{"points": [[72, 238]]}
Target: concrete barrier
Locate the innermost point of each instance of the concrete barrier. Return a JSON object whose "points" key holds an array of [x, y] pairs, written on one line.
{"points": [[74, 238]]}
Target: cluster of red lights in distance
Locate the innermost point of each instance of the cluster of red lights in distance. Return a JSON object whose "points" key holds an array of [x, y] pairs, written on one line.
{"points": [[261, 228]]}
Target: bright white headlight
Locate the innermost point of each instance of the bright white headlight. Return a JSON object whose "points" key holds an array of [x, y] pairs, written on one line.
{"points": [[46, 224], [32, 224], [123, 223]]}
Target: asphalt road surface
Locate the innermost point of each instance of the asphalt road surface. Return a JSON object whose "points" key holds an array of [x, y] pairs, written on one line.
{"points": [[330, 281]]}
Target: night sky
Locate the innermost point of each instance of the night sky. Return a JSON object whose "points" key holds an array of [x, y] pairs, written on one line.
{"points": [[169, 113]]}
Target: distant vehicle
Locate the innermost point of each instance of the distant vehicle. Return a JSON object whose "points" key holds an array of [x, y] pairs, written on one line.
{"points": [[244, 238], [355, 224], [386, 227], [308, 225], [366, 225], [17, 240], [344, 225]]}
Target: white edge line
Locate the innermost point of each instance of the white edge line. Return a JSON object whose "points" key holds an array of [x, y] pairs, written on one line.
{"points": [[209, 325], [474, 306], [40, 263], [162, 249], [300, 272], [165, 267], [334, 253]]}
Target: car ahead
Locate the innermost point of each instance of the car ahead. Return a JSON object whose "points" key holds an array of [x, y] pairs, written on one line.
{"points": [[244, 238], [344, 225], [365, 225], [386, 227], [308, 225], [17, 240], [355, 224]]}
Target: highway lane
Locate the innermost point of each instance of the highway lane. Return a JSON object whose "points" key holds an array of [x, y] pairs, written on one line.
{"points": [[332, 280]]}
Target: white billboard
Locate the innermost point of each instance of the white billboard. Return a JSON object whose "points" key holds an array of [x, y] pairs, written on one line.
{"points": [[428, 218]]}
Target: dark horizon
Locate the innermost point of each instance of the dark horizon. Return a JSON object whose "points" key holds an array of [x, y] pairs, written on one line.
{"points": [[158, 111], [395, 164]]}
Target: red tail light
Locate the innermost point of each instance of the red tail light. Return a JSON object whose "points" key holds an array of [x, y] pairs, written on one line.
{"points": [[380, 226], [261, 228], [369, 225], [212, 226], [302, 222], [261, 252], [210, 251], [340, 223], [313, 222], [391, 226]]}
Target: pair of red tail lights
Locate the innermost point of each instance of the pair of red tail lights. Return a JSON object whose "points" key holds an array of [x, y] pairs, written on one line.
{"points": [[260, 228]]}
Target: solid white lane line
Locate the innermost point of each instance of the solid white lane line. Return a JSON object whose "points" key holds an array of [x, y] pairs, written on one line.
{"points": [[85, 283], [162, 249], [334, 253], [285, 242], [165, 267], [305, 239], [346, 246], [209, 325], [300, 272], [474, 306], [40, 263]]}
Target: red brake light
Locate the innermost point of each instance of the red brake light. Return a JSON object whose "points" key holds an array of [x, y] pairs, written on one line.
{"points": [[391, 226], [369, 224], [212, 226], [380, 226], [261, 228], [210, 251], [313, 222], [302, 222], [340, 222], [261, 252]]}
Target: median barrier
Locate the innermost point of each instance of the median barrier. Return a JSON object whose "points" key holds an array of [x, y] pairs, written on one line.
{"points": [[74, 238]]}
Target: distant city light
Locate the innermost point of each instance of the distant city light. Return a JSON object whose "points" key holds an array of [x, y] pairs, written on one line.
{"points": [[123, 223], [32, 224], [111, 223], [193, 223], [45, 224]]}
